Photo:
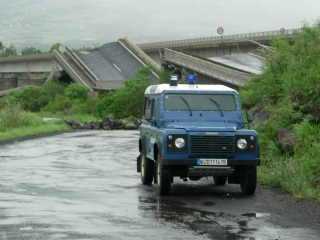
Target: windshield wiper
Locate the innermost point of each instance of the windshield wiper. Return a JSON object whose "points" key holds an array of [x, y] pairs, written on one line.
{"points": [[218, 106], [187, 104]]}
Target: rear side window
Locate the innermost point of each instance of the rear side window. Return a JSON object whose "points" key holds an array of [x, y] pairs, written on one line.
{"points": [[148, 108]]}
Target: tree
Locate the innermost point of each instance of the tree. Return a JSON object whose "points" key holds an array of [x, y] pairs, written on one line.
{"points": [[30, 51], [9, 51], [54, 47]]}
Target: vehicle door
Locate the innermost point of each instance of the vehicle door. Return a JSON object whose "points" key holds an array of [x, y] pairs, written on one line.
{"points": [[149, 129]]}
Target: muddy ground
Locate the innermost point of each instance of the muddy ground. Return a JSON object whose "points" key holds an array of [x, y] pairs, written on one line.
{"points": [[84, 186]]}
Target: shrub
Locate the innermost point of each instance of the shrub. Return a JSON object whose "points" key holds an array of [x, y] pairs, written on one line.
{"points": [[76, 91], [14, 117], [84, 107], [60, 104], [34, 98], [53, 88], [31, 98], [289, 91], [292, 71], [128, 100]]}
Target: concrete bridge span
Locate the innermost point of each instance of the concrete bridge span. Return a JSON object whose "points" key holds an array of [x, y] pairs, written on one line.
{"points": [[208, 47], [103, 68], [215, 59], [19, 71], [210, 72]]}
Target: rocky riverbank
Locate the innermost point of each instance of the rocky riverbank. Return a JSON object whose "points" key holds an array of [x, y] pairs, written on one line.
{"points": [[106, 124]]}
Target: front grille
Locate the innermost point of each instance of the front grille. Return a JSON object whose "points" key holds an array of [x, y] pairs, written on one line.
{"points": [[212, 146]]}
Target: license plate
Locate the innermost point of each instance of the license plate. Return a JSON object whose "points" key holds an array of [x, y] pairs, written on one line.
{"points": [[213, 162]]}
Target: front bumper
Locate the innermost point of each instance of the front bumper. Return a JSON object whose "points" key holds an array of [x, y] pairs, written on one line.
{"points": [[193, 162], [190, 168]]}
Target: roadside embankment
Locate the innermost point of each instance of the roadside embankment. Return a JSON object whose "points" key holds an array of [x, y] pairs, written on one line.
{"points": [[285, 105], [25, 133], [16, 123]]}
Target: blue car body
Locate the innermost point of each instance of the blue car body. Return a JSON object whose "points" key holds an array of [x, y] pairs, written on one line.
{"points": [[207, 134]]}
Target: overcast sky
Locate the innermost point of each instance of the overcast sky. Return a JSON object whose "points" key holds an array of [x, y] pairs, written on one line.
{"points": [[84, 22]]}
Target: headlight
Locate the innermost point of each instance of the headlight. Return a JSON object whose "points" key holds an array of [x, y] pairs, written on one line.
{"points": [[179, 143], [242, 144]]}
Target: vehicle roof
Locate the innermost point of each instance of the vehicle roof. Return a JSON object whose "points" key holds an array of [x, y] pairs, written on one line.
{"points": [[161, 88]]}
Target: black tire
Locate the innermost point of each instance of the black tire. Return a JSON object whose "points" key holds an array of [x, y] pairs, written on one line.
{"points": [[163, 179], [220, 180], [249, 180], [147, 170]]}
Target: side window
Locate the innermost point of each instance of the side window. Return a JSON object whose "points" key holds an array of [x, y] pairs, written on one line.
{"points": [[148, 108]]}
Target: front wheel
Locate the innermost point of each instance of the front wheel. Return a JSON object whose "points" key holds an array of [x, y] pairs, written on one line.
{"points": [[147, 170], [249, 180], [163, 179]]}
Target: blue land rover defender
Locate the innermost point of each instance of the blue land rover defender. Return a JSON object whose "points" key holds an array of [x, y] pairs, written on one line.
{"points": [[195, 131]]}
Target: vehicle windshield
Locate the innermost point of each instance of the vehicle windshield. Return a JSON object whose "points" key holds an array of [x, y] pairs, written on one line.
{"points": [[200, 102]]}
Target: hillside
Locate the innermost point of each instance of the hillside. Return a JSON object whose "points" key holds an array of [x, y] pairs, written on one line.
{"points": [[285, 104]]}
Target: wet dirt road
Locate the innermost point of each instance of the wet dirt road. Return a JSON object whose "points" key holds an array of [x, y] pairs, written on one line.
{"points": [[84, 186]]}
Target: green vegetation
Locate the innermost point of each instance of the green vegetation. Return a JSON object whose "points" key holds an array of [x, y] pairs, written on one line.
{"points": [[288, 94], [39, 130], [128, 100], [11, 50], [30, 51], [6, 51], [16, 123], [24, 112]]}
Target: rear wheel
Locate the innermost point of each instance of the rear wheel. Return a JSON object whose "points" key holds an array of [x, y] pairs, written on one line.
{"points": [[147, 170], [163, 179], [249, 180], [220, 180]]}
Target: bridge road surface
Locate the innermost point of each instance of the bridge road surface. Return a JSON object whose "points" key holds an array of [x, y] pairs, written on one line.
{"points": [[84, 185]]}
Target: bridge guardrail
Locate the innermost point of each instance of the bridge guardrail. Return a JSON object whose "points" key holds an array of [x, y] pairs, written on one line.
{"points": [[140, 54], [70, 69], [235, 38], [89, 74]]}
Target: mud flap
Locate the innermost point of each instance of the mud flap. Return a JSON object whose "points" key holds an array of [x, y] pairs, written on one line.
{"points": [[139, 163]]}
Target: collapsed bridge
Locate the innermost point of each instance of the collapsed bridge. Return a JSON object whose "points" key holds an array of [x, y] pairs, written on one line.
{"points": [[230, 60]]}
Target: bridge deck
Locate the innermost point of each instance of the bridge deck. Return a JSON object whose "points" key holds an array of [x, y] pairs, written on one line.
{"points": [[103, 68], [217, 71], [246, 62], [217, 40]]}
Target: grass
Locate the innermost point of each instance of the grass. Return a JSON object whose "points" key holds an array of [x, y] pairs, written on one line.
{"points": [[16, 123], [34, 131], [298, 186], [288, 91]]}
